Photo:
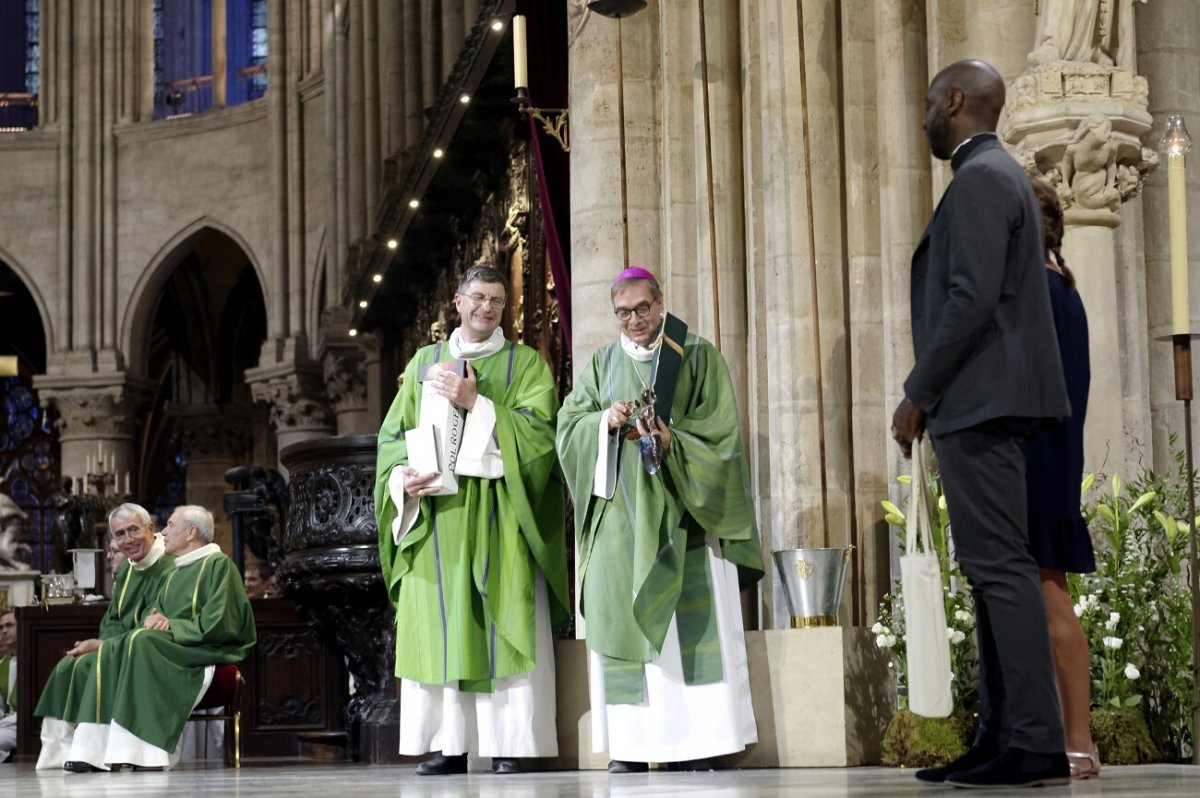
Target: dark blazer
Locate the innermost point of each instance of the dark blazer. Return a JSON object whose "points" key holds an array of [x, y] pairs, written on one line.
{"points": [[983, 333]]}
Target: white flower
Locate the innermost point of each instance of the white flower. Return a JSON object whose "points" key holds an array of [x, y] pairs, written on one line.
{"points": [[957, 636], [1113, 619], [1079, 608], [1112, 642], [881, 641], [962, 615], [891, 640], [1131, 671], [878, 628]]}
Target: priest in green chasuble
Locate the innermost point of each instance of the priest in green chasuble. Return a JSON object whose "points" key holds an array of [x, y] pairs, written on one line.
{"points": [[473, 549], [666, 537], [137, 579], [198, 618]]}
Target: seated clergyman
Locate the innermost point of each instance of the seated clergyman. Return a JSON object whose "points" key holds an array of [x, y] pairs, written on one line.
{"points": [[150, 677]]}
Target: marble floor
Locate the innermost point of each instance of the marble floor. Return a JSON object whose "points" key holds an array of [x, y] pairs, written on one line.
{"points": [[350, 781]]}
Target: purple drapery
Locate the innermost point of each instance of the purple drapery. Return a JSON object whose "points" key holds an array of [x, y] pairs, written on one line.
{"points": [[546, 25], [554, 250]]}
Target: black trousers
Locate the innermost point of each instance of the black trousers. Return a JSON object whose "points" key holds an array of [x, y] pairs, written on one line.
{"points": [[983, 471]]}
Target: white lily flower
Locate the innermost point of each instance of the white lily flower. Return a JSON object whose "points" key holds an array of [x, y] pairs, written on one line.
{"points": [[881, 641], [1131, 671], [877, 628], [1113, 642]]}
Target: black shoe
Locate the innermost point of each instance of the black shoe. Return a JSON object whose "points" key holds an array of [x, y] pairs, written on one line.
{"points": [[973, 758], [1015, 767], [691, 765], [73, 766], [623, 766], [441, 765], [505, 764]]}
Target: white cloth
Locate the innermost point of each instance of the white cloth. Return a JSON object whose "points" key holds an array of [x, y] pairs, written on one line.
{"points": [[472, 350], [157, 550], [640, 353], [678, 722], [517, 719]]}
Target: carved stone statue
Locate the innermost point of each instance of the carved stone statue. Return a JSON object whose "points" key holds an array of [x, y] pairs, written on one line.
{"points": [[11, 517], [1090, 166], [1097, 31]]}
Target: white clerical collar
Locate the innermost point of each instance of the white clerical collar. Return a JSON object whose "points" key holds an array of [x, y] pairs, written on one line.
{"points": [[154, 555], [963, 143], [636, 350], [469, 350], [195, 555]]}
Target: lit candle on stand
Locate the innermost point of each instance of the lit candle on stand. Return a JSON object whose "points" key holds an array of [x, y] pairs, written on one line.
{"points": [[1176, 143], [520, 64]]}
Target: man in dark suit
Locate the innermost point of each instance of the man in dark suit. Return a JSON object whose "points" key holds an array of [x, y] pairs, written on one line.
{"points": [[987, 373]]}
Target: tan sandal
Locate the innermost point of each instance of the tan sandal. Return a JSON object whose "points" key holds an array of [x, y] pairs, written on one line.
{"points": [[1090, 769]]}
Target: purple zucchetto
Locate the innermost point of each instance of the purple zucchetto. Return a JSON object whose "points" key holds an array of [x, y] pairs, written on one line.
{"points": [[635, 273]]}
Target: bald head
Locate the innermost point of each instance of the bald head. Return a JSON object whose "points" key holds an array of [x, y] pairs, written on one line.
{"points": [[964, 99]]}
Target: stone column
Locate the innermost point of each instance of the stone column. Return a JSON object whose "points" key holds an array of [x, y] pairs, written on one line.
{"points": [[214, 439], [1079, 125], [1167, 32], [96, 415], [345, 360], [299, 408]]}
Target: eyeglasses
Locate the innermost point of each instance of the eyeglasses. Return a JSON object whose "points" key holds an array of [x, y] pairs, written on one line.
{"points": [[642, 310], [496, 302]]}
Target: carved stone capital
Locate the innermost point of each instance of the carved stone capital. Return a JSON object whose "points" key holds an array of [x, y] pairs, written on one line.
{"points": [[105, 411], [1079, 126], [297, 400], [346, 377]]}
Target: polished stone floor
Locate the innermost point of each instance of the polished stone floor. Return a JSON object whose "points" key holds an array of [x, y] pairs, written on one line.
{"points": [[350, 781]]}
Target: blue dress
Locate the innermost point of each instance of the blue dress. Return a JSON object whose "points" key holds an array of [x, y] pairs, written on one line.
{"points": [[1058, 535]]}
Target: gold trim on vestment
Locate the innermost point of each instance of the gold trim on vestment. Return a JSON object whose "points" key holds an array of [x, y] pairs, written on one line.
{"points": [[99, 683], [674, 345]]}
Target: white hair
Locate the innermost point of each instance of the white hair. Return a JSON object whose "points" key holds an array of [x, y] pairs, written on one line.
{"points": [[197, 516]]}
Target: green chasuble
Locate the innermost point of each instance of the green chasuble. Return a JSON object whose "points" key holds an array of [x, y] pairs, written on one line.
{"points": [[642, 554], [133, 588], [462, 578], [156, 675]]}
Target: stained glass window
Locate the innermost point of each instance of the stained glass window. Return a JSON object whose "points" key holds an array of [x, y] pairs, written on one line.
{"points": [[29, 459]]}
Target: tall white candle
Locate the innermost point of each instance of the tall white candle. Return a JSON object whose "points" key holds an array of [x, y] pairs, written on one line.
{"points": [[1177, 215], [520, 62]]}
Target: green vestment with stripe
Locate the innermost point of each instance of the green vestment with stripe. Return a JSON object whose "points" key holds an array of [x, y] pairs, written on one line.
{"points": [[642, 555], [151, 678], [133, 588], [462, 578]]}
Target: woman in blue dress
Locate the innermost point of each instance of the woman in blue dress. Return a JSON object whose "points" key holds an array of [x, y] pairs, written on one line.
{"points": [[1058, 535]]}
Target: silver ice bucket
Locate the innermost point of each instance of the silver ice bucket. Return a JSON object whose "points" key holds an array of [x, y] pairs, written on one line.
{"points": [[813, 580]]}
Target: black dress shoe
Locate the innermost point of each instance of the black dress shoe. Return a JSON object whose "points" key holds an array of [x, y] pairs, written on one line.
{"points": [[691, 765], [973, 758], [624, 766], [1015, 767], [73, 766], [505, 764], [441, 765]]}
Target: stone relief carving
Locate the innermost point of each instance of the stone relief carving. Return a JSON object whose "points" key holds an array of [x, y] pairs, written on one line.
{"points": [[346, 377], [1096, 31], [215, 432], [107, 412]]}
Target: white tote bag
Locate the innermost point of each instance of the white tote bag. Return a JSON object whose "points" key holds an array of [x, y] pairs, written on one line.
{"points": [[928, 647]]}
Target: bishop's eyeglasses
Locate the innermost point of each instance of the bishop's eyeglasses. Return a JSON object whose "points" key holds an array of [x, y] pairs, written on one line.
{"points": [[642, 310], [496, 302]]}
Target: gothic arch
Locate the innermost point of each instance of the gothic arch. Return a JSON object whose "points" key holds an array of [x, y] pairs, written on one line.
{"points": [[139, 312], [39, 302]]}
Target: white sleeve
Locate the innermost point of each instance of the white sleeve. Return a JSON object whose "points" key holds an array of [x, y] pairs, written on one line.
{"points": [[604, 481], [407, 508], [479, 455]]}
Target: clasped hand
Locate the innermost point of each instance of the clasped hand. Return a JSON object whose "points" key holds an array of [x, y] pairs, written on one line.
{"points": [[462, 391], [156, 620], [418, 485]]}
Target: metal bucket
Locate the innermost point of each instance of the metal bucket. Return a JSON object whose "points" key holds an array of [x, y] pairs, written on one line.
{"points": [[813, 580]]}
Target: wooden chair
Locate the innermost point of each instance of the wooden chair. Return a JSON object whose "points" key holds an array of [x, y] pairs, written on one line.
{"points": [[225, 693]]}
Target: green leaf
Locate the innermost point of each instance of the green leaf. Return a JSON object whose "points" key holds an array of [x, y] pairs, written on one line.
{"points": [[1133, 700], [1116, 702]]}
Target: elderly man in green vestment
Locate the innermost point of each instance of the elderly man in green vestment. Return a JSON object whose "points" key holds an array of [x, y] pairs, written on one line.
{"points": [[137, 579], [198, 618], [478, 576], [661, 555]]}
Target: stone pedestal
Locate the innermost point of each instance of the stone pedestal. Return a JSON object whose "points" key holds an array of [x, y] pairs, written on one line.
{"points": [[822, 698]]}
